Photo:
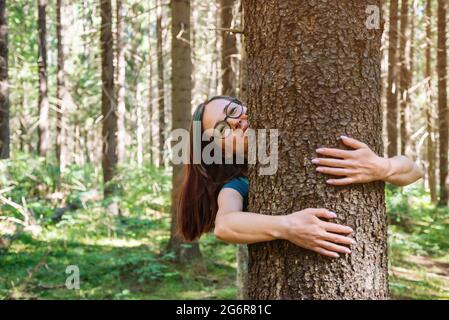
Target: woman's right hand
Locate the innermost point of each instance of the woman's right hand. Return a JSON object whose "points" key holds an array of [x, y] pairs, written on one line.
{"points": [[306, 229]]}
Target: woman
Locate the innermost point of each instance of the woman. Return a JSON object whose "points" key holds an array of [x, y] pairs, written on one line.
{"points": [[214, 196]]}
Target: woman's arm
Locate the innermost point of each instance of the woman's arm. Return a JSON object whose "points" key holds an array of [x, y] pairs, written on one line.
{"points": [[362, 165], [303, 228]]}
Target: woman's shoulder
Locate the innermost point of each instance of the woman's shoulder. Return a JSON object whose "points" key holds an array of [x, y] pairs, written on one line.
{"points": [[240, 184]]}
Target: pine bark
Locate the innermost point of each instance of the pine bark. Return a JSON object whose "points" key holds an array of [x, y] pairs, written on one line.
{"points": [[314, 74], [43, 128], [108, 108], [4, 84], [392, 103], [403, 73], [443, 112]]}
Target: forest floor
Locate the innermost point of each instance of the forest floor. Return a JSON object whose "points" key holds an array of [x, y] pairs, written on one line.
{"points": [[125, 258]]}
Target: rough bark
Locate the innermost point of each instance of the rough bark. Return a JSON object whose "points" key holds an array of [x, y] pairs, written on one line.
{"points": [[443, 112], [181, 114], [43, 128], [228, 49], [108, 108], [430, 147], [392, 103], [160, 83], [4, 90], [61, 91], [121, 74], [314, 74]]}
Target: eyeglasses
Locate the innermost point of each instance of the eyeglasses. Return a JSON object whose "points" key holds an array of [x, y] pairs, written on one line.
{"points": [[222, 129]]}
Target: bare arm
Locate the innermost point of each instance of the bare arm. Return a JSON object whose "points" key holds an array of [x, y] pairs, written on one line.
{"points": [[303, 228], [402, 171]]}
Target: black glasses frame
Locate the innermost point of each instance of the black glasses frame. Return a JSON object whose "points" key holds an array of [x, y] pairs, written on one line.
{"points": [[239, 104]]}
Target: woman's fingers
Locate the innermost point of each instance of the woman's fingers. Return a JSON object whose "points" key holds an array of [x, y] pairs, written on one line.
{"points": [[321, 213], [332, 152], [353, 143], [337, 228], [330, 162], [336, 238], [341, 182], [334, 171], [326, 253], [329, 246]]}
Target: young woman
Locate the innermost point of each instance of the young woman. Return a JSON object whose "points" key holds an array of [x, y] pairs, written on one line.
{"points": [[215, 196]]}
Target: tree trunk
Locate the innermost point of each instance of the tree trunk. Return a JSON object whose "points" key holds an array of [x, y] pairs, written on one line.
{"points": [[121, 74], [431, 166], [150, 100], [314, 74], [108, 109], [4, 90], [181, 115], [392, 103], [43, 129], [61, 92], [403, 73], [242, 249], [443, 112], [160, 82], [228, 49]]}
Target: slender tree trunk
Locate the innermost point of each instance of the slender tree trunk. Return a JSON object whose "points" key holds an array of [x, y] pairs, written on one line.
{"points": [[43, 129], [392, 103], [429, 107], [139, 126], [181, 115], [121, 75], [4, 90], [228, 49], [443, 112], [160, 83], [108, 108], [326, 83], [61, 91], [403, 73], [150, 104]]}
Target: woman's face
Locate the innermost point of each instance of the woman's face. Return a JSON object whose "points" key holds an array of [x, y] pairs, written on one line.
{"points": [[235, 139]]}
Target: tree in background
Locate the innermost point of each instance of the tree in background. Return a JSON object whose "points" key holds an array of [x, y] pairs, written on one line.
{"points": [[108, 109], [120, 84], [392, 103], [160, 81], [43, 129], [4, 90], [181, 112], [228, 48], [62, 94], [315, 85], [404, 71], [430, 127]]}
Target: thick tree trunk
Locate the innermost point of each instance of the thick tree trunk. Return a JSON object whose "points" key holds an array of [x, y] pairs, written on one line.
{"points": [[4, 90], [181, 114], [61, 92], [43, 129], [160, 83], [392, 103], [108, 108], [228, 49], [314, 74], [121, 93], [431, 161], [443, 112]]}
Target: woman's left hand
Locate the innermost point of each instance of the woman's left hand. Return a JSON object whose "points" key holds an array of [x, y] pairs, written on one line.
{"points": [[360, 165]]}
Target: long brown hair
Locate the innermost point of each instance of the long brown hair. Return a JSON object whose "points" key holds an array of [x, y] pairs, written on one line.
{"points": [[197, 207]]}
